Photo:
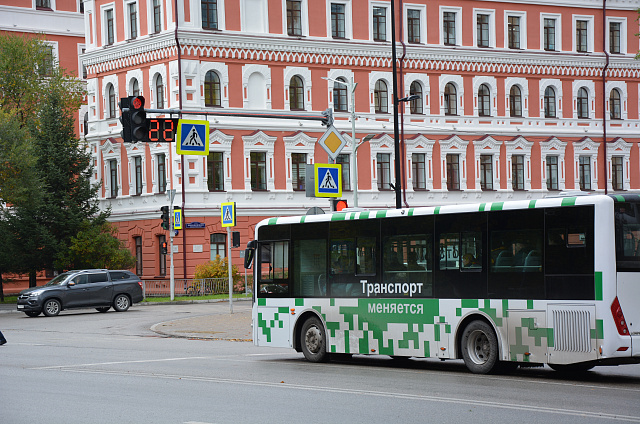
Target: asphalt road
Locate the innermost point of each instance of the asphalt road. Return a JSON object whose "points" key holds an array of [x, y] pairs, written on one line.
{"points": [[87, 367]]}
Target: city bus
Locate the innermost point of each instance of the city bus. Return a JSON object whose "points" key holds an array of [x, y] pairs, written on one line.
{"points": [[552, 281]]}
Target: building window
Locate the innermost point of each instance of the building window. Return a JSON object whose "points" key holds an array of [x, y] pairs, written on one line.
{"points": [[419, 171], [162, 257], [449, 28], [379, 24], [45, 67], [43, 4], [486, 172], [211, 89], [453, 172], [137, 163], [615, 104], [515, 101], [513, 30], [340, 96], [616, 173], [450, 102], [132, 9], [552, 172], [549, 36], [162, 173], [209, 14], [484, 101], [113, 178], [549, 102], [296, 93], [383, 168], [582, 31], [482, 27], [135, 88], [583, 103], [157, 17], [85, 124], [137, 241], [345, 161], [517, 172], [111, 100], [415, 106], [84, 67], [413, 26], [337, 20], [108, 17], [159, 93], [294, 18], [584, 169], [298, 170], [614, 37], [218, 246], [258, 170], [215, 171], [380, 97]]}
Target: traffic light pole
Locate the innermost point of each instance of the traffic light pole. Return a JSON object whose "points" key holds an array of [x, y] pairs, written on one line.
{"points": [[172, 279]]}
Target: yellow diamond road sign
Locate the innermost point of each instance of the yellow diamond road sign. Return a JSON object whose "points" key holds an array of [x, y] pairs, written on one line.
{"points": [[332, 141]]}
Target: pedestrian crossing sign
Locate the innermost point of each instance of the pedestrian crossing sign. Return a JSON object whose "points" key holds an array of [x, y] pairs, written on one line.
{"points": [[228, 214], [193, 137], [328, 180]]}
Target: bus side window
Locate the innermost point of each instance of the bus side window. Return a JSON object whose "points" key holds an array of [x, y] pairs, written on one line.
{"points": [[274, 268]]}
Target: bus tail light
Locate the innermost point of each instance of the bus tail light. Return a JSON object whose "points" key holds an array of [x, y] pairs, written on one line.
{"points": [[618, 317]]}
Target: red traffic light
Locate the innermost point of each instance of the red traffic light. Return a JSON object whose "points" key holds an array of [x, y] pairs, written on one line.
{"points": [[137, 102], [339, 205]]}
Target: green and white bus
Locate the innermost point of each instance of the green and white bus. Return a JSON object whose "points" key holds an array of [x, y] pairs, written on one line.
{"points": [[553, 281]]}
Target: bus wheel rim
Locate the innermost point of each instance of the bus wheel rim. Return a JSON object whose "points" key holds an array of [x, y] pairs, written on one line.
{"points": [[479, 347], [313, 339]]}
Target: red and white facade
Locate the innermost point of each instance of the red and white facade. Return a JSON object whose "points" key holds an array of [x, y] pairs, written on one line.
{"points": [[513, 105]]}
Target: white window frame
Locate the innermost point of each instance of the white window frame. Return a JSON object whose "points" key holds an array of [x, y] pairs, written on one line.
{"points": [[305, 75], [110, 150], [259, 142], [458, 81], [387, 6], [150, 23], [297, 143], [586, 147], [220, 142], [622, 89], [80, 48], [519, 146], [493, 90], [247, 71], [623, 33], [419, 144], [382, 144], [423, 21], [52, 4], [492, 27], [558, 41], [423, 79], [154, 72], [458, 12], [523, 28], [453, 145], [619, 148], [196, 5], [264, 12], [103, 23], [156, 149], [113, 80], [348, 20], [590, 25], [387, 78], [590, 86], [523, 83], [487, 145], [135, 74], [133, 150], [557, 85], [304, 17], [334, 74], [127, 23], [222, 70], [553, 147]]}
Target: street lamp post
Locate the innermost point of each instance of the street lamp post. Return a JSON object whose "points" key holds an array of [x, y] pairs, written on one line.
{"points": [[396, 131]]}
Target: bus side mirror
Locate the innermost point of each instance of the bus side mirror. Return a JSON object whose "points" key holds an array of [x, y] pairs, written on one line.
{"points": [[249, 253]]}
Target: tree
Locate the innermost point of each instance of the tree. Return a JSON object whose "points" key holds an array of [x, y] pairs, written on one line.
{"points": [[96, 246]]}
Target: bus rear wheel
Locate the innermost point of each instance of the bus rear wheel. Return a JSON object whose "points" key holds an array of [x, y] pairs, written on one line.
{"points": [[314, 341], [479, 347]]}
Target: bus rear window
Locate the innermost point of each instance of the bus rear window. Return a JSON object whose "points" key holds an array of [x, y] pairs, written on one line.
{"points": [[627, 218]]}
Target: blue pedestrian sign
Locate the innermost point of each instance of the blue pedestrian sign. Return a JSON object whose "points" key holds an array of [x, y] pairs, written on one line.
{"points": [[228, 214], [328, 180], [177, 219], [192, 137]]}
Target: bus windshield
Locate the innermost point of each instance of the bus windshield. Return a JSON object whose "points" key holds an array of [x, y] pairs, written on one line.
{"points": [[627, 215]]}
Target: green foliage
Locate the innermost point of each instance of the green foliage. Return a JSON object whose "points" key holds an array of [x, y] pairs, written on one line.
{"points": [[219, 268], [96, 246]]}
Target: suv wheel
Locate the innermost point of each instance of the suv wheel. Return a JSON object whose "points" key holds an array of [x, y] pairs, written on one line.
{"points": [[121, 303], [51, 307]]}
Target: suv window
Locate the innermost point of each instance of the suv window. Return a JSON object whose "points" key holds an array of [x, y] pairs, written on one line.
{"points": [[80, 279], [121, 275], [99, 277]]}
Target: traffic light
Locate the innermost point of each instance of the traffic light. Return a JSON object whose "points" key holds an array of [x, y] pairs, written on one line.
{"points": [[163, 248], [235, 239], [338, 204], [125, 119], [166, 224], [138, 116]]}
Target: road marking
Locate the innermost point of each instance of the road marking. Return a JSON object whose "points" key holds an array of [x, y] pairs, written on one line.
{"points": [[69, 367], [373, 393]]}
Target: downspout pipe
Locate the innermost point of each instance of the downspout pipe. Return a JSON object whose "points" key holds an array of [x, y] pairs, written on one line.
{"points": [[604, 94], [184, 238]]}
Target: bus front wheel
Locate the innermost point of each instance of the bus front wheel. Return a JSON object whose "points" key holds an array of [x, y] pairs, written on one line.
{"points": [[314, 341], [479, 347]]}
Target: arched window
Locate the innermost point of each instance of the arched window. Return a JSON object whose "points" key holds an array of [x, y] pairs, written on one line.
{"points": [[211, 89], [415, 106], [614, 104], [85, 123], [381, 97], [549, 102], [159, 93], [515, 101], [111, 100], [135, 88], [484, 101], [450, 102], [583, 103], [296, 93], [340, 96]]}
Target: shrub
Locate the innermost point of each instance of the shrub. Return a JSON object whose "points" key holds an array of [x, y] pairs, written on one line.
{"points": [[219, 268]]}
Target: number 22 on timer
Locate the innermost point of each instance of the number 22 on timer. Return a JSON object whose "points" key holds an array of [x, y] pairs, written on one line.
{"points": [[161, 130]]}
